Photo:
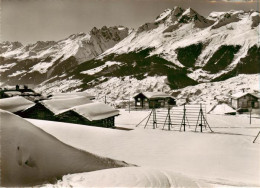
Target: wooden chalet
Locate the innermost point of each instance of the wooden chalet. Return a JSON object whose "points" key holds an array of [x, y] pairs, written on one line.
{"points": [[49, 109], [96, 114], [79, 110], [38, 111], [153, 100], [245, 100]]}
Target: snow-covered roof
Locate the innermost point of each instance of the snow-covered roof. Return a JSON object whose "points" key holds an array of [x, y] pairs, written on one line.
{"points": [[73, 94], [61, 105], [95, 111], [257, 95], [12, 93], [241, 94], [151, 95], [222, 109], [15, 104], [238, 95]]}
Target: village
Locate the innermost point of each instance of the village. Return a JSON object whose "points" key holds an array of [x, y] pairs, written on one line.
{"points": [[82, 108], [171, 136]]}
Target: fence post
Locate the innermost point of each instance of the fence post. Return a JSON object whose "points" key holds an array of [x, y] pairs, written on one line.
{"points": [[129, 104], [250, 115], [201, 113], [184, 117], [169, 113]]}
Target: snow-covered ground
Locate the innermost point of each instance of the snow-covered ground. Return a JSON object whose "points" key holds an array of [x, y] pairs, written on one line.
{"points": [[225, 157], [129, 177], [31, 156]]}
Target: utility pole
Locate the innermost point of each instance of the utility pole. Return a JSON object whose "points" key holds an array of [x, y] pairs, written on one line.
{"points": [[250, 116], [129, 103]]}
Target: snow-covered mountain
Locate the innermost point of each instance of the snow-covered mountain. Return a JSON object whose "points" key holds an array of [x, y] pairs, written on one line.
{"points": [[180, 48], [37, 62]]}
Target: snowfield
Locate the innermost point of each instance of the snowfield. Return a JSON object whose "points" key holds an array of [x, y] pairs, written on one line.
{"points": [[128, 177], [225, 157], [30, 156], [100, 68]]}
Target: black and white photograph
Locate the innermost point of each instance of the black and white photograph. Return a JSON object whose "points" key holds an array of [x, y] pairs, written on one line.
{"points": [[130, 93]]}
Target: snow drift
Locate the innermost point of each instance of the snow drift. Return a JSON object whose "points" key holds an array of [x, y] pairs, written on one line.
{"points": [[15, 104], [128, 177], [30, 156], [222, 109]]}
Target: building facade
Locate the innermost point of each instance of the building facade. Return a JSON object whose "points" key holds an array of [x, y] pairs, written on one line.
{"points": [[245, 101], [153, 100]]}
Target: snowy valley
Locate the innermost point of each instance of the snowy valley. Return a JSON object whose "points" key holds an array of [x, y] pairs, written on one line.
{"points": [[87, 115]]}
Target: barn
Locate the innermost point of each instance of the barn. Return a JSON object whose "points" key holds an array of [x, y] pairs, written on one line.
{"points": [[153, 100], [78, 110], [244, 100], [48, 109], [96, 114]]}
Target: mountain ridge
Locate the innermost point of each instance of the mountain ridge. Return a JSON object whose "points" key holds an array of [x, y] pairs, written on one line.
{"points": [[180, 45]]}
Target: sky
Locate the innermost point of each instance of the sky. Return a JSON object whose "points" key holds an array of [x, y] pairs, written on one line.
{"points": [[29, 21]]}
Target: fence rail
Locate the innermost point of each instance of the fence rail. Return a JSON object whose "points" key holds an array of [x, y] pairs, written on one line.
{"points": [[186, 115]]}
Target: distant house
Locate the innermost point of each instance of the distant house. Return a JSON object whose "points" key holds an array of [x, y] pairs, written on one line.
{"points": [[20, 91], [96, 114], [243, 100], [153, 100]]}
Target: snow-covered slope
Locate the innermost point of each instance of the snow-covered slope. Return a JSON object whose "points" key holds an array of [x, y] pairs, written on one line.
{"points": [[30, 156], [82, 46], [215, 92], [218, 158], [179, 33], [44, 59], [117, 91], [180, 46]]}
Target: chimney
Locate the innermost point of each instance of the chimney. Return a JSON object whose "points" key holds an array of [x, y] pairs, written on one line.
{"points": [[243, 90]]}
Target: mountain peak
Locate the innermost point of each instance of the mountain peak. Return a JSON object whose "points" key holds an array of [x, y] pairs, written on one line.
{"points": [[189, 11], [163, 15], [190, 15], [170, 14]]}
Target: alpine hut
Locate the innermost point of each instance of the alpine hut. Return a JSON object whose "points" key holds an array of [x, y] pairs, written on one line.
{"points": [[244, 101], [153, 100], [49, 109], [96, 114]]}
